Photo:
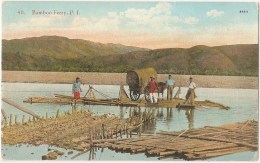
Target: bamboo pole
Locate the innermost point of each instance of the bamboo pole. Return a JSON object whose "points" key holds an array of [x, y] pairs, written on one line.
{"points": [[93, 153], [140, 122], [57, 114], [63, 96], [94, 134], [111, 134], [10, 120], [15, 120], [80, 153], [219, 104], [103, 130], [23, 119], [167, 153], [208, 154], [116, 131], [5, 118], [130, 112], [97, 101], [127, 131], [90, 153], [90, 141], [180, 134], [218, 139], [121, 132], [19, 107], [177, 95], [248, 121], [4, 115]]}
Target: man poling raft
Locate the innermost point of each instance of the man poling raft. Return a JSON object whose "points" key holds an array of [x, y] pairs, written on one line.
{"points": [[190, 96]]}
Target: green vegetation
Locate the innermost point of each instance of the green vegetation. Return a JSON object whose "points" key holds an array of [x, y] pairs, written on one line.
{"points": [[52, 53]]}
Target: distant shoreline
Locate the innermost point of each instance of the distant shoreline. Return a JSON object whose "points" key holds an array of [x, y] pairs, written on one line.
{"points": [[204, 81]]}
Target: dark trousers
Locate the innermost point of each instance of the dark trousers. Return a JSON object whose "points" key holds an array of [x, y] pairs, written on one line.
{"points": [[169, 92]]}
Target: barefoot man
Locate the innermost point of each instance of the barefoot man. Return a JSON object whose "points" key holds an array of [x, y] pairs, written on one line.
{"points": [[170, 86], [152, 87], [190, 96], [76, 89]]}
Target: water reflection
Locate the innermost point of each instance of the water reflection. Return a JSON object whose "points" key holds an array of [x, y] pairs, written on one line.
{"points": [[159, 113], [92, 153], [169, 115], [149, 126], [189, 113], [190, 116], [121, 112]]}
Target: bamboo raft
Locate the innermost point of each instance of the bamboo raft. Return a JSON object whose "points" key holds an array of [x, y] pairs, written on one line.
{"points": [[122, 100], [195, 144], [69, 100], [62, 99], [75, 129], [88, 99]]}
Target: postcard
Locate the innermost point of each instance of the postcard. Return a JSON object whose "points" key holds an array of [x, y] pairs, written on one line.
{"points": [[130, 81]]}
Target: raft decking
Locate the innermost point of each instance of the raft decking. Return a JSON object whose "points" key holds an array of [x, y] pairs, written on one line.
{"points": [[62, 99], [195, 144], [83, 100], [122, 100]]}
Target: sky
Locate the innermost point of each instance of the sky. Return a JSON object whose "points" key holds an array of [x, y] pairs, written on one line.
{"points": [[144, 24]]}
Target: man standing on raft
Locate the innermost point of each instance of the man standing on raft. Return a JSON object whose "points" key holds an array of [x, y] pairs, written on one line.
{"points": [[76, 89], [190, 96], [153, 87], [170, 86]]}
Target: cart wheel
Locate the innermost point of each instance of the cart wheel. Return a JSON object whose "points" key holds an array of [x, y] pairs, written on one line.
{"points": [[146, 94], [134, 95]]}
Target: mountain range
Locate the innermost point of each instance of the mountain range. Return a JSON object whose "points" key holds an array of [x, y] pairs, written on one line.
{"points": [[55, 53]]}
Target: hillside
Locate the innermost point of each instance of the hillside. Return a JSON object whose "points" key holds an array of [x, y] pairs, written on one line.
{"points": [[63, 48], [201, 60], [80, 55]]}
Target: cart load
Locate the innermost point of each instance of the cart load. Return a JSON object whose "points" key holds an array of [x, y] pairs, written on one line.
{"points": [[137, 81]]}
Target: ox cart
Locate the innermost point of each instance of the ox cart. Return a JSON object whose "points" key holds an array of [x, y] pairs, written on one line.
{"points": [[137, 81]]}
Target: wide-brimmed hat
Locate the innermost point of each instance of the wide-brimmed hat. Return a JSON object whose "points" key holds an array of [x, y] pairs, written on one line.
{"points": [[152, 77]]}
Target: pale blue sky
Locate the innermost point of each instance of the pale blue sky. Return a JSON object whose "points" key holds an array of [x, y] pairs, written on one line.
{"points": [[146, 24]]}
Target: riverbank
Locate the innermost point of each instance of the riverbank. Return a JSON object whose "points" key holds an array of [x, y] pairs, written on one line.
{"points": [[205, 81]]}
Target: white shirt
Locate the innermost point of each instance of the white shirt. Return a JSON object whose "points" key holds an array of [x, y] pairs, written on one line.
{"points": [[192, 85]]}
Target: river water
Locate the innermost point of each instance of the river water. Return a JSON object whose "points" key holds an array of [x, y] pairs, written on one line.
{"points": [[243, 106]]}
